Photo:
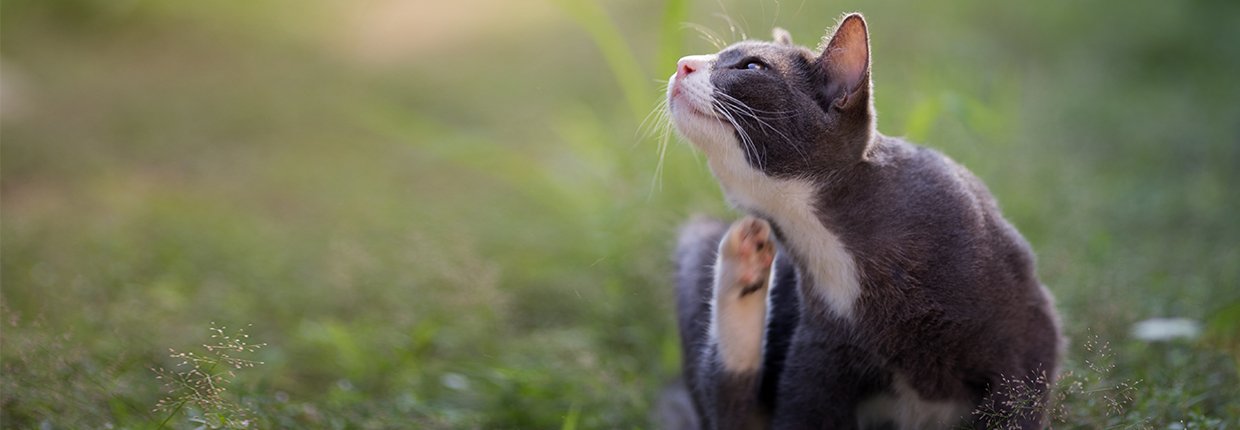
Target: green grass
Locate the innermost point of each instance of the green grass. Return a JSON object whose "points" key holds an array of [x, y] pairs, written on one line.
{"points": [[473, 233]]}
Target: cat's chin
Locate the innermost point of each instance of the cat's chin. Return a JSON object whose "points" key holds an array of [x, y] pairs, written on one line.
{"points": [[704, 130]]}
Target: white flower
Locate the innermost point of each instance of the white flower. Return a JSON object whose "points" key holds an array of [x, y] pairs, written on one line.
{"points": [[1163, 329]]}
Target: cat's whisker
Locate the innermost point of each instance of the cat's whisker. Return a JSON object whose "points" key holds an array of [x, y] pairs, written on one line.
{"points": [[659, 114], [790, 113], [728, 111], [749, 112], [658, 168], [763, 124], [752, 112], [706, 34], [746, 140], [732, 26], [775, 19], [758, 115], [736, 104], [658, 120], [800, 7], [662, 122], [660, 165]]}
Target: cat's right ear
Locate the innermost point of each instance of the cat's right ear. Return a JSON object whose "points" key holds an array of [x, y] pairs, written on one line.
{"points": [[846, 63]]}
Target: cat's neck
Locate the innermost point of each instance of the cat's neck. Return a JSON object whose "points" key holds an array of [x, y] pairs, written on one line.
{"points": [[792, 204]]}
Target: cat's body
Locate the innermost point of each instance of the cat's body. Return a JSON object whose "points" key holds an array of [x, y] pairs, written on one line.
{"points": [[901, 298]]}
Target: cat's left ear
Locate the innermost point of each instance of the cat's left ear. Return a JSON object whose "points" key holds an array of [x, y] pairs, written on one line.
{"points": [[781, 36], [846, 63]]}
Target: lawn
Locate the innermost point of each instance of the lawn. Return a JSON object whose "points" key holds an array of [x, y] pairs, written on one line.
{"points": [[461, 215]]}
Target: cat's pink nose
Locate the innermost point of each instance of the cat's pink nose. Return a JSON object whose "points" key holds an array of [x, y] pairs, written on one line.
{"points": [[691, 64]]}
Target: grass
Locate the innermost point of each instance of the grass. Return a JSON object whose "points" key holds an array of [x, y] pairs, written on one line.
{"points": [[469, 235]]}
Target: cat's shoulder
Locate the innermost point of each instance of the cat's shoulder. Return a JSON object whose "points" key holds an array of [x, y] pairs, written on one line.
{"points": [[888, 151], [923, 180], [898, 159]]}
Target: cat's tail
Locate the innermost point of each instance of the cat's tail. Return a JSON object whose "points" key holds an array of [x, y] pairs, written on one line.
{"points": [[696, 249]]}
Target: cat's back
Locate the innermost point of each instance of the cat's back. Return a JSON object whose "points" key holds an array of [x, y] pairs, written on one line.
{"points": [[935, 227], [941, 267], [923, 206], [960, 206], [930, 241], [901, 194]]}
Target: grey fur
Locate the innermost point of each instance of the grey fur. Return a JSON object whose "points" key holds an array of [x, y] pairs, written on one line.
{"points": [[950, 302]]}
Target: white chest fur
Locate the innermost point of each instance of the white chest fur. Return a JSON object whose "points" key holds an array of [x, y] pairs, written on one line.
{"points": [[907, 410], [790, 204]]}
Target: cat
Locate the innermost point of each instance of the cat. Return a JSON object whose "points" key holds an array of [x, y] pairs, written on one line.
{"points": [[873, 284]]}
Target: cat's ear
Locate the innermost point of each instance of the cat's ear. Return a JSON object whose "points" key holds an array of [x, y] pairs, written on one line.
{"points": [[846, 63], [781, 36]]}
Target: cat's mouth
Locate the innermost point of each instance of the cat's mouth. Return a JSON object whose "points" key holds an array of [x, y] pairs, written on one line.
{"points": [[696, 120], [688, 97], [682, 104]]}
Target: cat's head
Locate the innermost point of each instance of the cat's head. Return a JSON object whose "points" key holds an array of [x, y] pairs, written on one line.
{"points": [[778, 108]]}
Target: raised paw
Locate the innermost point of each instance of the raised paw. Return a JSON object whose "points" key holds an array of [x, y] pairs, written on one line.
{"points": [[746, 255]]}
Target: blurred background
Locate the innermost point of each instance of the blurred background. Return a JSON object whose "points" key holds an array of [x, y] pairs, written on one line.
{"points": [[450, 215]]}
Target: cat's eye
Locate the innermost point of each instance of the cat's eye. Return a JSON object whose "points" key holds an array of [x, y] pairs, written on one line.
{"points": [[754, 65]]}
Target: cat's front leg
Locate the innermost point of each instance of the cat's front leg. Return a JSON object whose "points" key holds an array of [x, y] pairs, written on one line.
{"points": [[738, 322]]}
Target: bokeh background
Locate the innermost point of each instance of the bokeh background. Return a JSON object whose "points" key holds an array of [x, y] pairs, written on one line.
{"points": [[449, 215]]}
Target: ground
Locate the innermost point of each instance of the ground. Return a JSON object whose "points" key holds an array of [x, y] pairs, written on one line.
{"points": [[463, 222]]}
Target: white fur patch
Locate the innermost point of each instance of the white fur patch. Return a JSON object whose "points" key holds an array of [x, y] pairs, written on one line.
{"points": [[737, 324], [907, 410], [788, 202]]}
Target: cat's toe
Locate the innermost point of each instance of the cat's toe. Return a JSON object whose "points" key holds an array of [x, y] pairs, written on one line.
{"points": [[749, 249]]}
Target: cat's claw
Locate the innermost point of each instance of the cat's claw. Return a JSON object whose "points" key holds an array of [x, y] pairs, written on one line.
{"points": [[746, 253]]}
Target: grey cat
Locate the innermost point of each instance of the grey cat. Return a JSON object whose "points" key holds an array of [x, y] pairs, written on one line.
{"points": [[875, 284]]}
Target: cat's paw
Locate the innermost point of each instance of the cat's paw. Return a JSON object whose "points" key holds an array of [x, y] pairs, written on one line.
{"points": [[746, 255]]}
